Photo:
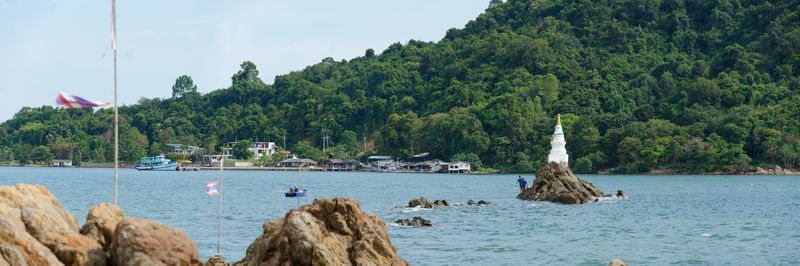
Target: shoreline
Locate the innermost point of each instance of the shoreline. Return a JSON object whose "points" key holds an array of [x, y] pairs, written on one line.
{"points": [[758, 171]]}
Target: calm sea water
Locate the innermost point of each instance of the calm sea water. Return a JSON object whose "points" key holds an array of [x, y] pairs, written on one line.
{"points": [[665, 220]]}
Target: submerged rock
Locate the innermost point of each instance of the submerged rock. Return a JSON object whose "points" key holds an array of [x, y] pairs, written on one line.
{"points": [[139, 241], [555, 182], [421, 201], [485, 203], [617, 262], [480, 203], [327, 232], [441, 203], [415, 222], [36, 230]]}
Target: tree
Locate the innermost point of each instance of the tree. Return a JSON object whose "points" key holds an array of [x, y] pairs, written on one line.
{"points": [[397, 135], [184, 87], [42, 155], [248, 73], [304, 150], [6, 154], [241, 150], [493, 89]]}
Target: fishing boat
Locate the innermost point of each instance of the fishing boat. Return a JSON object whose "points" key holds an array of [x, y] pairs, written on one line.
{"points": [[298, 193], [156, 163]]}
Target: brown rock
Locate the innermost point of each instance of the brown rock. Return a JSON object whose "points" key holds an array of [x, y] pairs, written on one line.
{"points": [[101, 223], [621, 194], [138, 241], [421, 201], [17, 247], [216, 260], [327, 232], [555, 182], [441, 203], [30, 212]]}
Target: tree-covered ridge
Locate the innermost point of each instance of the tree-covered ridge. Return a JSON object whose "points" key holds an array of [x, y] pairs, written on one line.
{"points": [[640, 84]]}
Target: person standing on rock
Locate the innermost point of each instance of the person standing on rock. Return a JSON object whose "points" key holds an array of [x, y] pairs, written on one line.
{"points": [[522, 183]]}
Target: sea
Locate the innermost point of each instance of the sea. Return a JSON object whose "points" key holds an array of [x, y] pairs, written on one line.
{"points": [[666, 219]]}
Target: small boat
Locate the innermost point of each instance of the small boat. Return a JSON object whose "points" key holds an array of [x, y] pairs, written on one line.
{"points": [[156, 163], [299, 193]]}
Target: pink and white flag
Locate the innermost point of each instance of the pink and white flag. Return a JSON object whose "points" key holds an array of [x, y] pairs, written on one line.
{"points": [[72, 101], [211, 188]]}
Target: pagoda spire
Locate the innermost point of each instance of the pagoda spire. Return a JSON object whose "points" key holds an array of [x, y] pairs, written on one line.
{"points": [[558, 145]]}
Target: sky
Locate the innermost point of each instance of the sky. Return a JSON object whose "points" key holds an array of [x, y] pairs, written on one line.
{"points": [[50, 46]]}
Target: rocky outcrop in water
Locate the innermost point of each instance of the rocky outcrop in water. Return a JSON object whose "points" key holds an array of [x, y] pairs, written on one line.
{"points": [[444, 203], [36, 230], [421, 202], [555, 182], [144, 242], [424, 203], [415, 222], [480, 203], [327, 232]]}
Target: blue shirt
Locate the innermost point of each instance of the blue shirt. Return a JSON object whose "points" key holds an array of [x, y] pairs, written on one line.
{"points": [[522, 182]]}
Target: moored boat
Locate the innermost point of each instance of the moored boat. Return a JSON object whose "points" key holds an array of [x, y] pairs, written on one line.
{"points": [[156, 163]]}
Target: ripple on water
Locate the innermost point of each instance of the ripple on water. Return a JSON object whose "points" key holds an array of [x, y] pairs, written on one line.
{"points": [[663, 222], [691, 262]]}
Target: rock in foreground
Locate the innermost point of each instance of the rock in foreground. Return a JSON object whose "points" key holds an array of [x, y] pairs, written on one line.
{"points": [[101, 223], [36, 230], [555, 182], [144, 242], [327, 232]]}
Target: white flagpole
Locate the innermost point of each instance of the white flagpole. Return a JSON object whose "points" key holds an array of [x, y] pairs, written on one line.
{"points": [[116, 114], [219, 226]]}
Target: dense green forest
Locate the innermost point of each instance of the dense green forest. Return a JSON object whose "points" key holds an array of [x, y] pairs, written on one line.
{"points": [[687, 85]]}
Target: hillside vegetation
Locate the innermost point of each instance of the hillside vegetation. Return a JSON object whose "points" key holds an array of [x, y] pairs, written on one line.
{"points": [[688, 85]]}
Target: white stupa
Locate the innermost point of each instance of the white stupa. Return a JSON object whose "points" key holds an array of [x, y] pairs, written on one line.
{"points": [[558, 146]]}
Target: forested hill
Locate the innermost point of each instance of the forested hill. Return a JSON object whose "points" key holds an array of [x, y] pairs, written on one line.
{"points": [[695, 85]]}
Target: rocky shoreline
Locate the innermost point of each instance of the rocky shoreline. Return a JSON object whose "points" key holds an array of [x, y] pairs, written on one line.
{"points": [[758, 171], [36, 230]]}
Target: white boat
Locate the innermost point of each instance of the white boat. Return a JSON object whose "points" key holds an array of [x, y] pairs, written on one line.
{"points": [[157, 163]]}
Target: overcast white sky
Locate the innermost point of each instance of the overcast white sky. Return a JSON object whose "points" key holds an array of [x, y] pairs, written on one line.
{"points": [[50, 46]]}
